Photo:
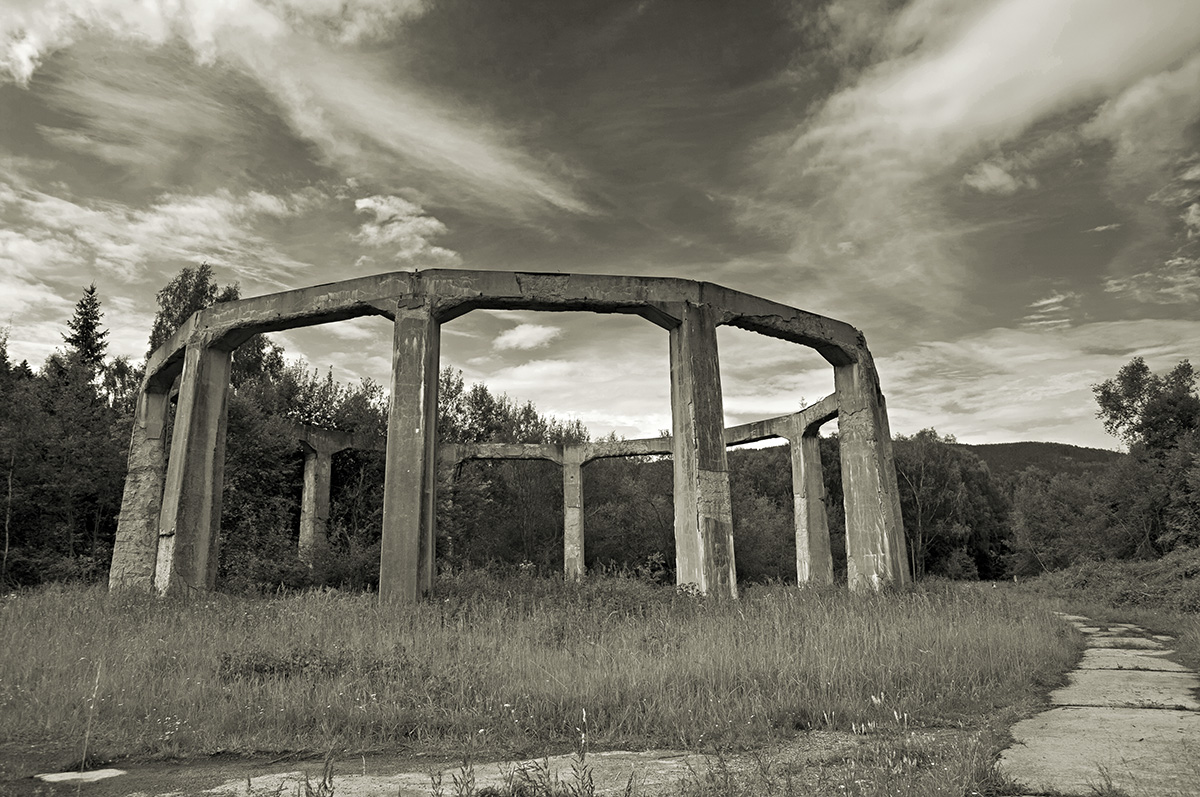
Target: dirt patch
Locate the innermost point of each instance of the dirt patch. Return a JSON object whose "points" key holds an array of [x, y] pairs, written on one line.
{"points": [[812, 763]]}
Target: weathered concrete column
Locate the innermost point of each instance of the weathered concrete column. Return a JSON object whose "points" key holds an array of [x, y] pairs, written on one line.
{"points": [[189, 527], [875, 548], [314, 503], [409, 500], [814, 562], [703, 518], [572, 476], [136, 547]]}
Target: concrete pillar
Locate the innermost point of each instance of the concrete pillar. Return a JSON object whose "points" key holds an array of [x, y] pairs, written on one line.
{"points": [[814, 562], [136, 547], [409, 500], [572, 476], [875, 548], [314, 503], [703, 519], [190, 523]]}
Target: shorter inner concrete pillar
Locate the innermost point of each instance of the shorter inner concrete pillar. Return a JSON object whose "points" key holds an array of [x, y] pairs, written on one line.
{"points": [[572, 476], [314, 503], [190, 521], [814, 562], [136, 546]]}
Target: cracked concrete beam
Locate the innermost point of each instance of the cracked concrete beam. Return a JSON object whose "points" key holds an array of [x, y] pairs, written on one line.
{"points": [[454, 453]]}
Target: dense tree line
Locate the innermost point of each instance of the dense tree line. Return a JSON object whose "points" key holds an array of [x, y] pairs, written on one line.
{"points": [[64, 432], [1143, 506]]}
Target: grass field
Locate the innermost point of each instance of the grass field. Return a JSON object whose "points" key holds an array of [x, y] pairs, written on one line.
{"points": [[509, 665]]}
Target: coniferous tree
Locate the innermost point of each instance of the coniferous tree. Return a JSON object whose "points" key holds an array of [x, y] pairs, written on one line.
{"points": [[87, 337]]}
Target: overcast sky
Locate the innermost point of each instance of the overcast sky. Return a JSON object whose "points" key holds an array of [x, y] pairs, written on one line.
{"points": [[1004, 196]]}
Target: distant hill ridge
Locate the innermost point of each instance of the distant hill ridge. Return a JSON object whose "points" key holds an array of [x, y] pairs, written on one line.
{"points": [[1004, 459]]}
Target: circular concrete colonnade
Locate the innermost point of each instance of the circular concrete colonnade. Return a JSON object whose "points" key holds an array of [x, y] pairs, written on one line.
{"points": [[168, 530]]}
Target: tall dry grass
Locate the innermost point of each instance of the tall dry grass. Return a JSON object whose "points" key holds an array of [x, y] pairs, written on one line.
{"points": [[509, 663]]}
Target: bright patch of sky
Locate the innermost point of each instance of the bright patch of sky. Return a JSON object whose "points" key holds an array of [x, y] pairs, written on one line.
{"points": [[1003, 195]]}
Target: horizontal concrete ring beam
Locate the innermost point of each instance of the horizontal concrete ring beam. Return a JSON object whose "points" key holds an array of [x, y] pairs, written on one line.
{"points": [[453, 292]]}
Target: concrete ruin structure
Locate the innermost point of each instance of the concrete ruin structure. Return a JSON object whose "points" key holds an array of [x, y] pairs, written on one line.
{"points": [[168, 531], [814, 563]]}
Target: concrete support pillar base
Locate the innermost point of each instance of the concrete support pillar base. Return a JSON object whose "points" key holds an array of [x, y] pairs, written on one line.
{"points": [[190, 521], [572, 476], [703, 515], [314, 504], [814, 562], [409, 496], [136, 547], [875, 546]]}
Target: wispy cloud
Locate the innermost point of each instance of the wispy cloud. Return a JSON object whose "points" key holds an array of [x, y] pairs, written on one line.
{"points": [[405, 228], [1176, 282], [1053, 311], [525, 337], [990, 178], [361, 114], [1105, 228], [1024, 384], [124, 241], [943, 83]]}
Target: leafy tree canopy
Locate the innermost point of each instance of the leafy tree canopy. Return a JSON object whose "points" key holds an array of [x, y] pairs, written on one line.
{"points": [[1144, 408], [192, 289]]}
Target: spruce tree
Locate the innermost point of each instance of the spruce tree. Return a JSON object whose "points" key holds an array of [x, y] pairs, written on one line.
{"points": [[87, 338]]}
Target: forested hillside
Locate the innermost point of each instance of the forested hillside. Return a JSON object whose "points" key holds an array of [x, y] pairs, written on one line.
{"points": [[1005, 459], [969, 511]]}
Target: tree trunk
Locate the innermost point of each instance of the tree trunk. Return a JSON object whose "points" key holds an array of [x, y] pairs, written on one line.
{"points": [[12, 459]]}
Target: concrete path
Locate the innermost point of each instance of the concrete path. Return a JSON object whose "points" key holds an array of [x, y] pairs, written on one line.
{"points": [[1128, 720]]}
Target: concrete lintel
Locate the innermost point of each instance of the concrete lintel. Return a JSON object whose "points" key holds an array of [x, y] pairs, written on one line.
{"points": [[814, 416], [165, 364], [609, 449], [838, 342], [229, 324], [454, 453], [327, 441], [755, 431], [456, 291]]}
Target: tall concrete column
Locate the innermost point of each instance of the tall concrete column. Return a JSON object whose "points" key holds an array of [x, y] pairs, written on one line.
{"points": [[875, 548], [314, 503], [409, 499], [814, 562], [190, 522], [703, 518], [136, 547], [572, 476]]}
